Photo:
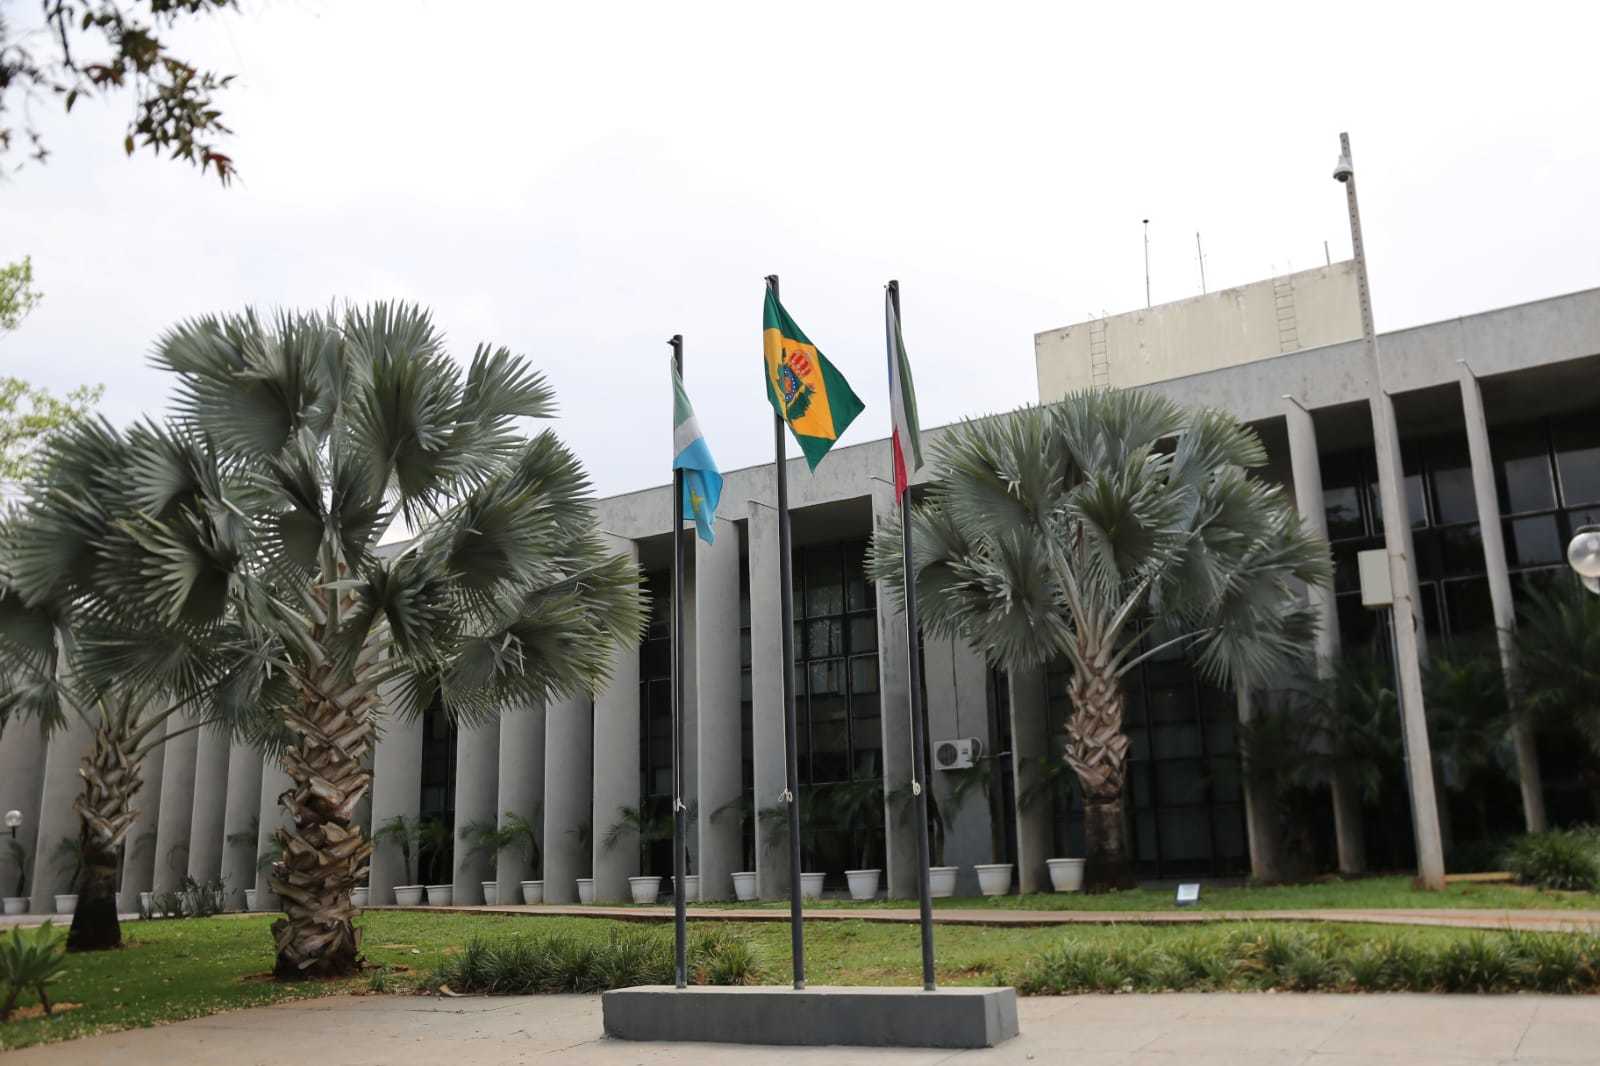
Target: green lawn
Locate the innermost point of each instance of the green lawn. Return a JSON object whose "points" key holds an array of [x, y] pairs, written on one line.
{"points": [[182, 969], [1369, 893]]}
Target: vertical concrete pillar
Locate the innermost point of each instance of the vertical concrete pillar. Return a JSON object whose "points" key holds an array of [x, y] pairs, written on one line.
{"points": [[1261, 815], [719, 767], [521, 792], [22, 758], [1505, 615], [396, 793], [1308, 500], [242, 808], [139, 846], [958, 706], [568, 797], [177, 804], [477, 791], [616, 765], [210, 808], [57, 818], [1030, 747], [894, 718], [272, 814], [766, 683]]}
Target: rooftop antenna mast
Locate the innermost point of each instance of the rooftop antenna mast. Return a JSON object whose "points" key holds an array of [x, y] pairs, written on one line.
{"points": [[1327, 255], [1201, 256], [1147, 264]]}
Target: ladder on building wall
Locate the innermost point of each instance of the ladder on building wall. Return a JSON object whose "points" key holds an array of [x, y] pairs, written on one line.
{"points": [[1283, 301], [1099, 361]]}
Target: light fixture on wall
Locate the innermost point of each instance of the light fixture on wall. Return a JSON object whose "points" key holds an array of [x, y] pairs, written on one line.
{"points": [[1583, 555]]}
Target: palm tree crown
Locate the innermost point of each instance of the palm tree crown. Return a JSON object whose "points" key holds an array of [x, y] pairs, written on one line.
{"points": [[1105, 529]]}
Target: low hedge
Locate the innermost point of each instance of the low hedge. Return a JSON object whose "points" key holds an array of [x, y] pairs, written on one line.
{"points": [[556, 962]]}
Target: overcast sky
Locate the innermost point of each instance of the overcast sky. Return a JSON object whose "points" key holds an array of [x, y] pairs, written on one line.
{"points": [[580, 181]]}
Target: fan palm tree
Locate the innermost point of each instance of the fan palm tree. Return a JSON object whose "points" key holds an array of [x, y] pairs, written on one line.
{"points": [[249, 522], [1105, 529], [1558, 655]]}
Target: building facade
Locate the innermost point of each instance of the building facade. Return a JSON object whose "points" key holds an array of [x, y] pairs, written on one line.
{"points": [[1499, 417]]}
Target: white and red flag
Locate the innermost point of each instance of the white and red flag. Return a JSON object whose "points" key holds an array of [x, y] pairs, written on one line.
{"points": [[906, 442]]}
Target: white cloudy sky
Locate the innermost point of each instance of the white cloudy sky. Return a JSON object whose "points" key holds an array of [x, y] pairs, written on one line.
{"points": [[579, 181]]}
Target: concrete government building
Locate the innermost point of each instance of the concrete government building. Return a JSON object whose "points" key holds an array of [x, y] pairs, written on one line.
{"points": [[1499, 416]]}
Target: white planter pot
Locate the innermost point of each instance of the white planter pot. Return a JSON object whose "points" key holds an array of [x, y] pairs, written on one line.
{"points": [[994, 878], [533, 892], [491, 893], [147, 902], [644, 889], [691, 888], [744, 885], [585, 890], [811, 885], [1066, 875], [16, 904], [66, 902], [249, 899], [408, 895], [942, 881], [360, 896], [441, 895], [863, 883]]}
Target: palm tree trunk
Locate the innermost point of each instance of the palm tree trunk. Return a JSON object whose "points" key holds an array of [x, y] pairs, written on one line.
{"points": [[1097, 751], [325, 852], [1349, 824], [110, 775]]}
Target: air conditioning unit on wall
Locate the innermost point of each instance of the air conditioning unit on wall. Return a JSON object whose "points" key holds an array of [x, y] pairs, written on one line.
{"points": [[960, 753]]}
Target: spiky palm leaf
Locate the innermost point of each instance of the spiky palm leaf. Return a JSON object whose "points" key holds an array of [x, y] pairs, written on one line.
{"points": [[1105, 529], [246, 526]]}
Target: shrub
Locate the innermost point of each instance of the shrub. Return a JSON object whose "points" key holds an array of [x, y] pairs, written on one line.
{"points": [[1566, 859], [1477, 964], [29, 959], [560, 962]]}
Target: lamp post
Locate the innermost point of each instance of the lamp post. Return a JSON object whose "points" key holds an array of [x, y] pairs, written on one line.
{"points": [[1397, 545], [13, 821], [1583, 555]]}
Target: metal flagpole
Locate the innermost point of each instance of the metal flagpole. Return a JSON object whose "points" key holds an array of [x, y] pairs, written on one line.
{"points": [[791, 731], [919, 768], [680, 829]]}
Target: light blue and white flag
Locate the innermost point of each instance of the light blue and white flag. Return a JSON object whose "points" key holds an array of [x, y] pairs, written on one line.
{"points": [[702, 484]]}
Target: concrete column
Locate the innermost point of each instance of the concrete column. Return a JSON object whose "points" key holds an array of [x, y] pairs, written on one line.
{"points": [[1505, 615], [209, 812], [568, 799], [767, 730], [1030, 746], [22, 758], [717, 731], [139, 847], [521, 791], [177, 804], [396, 793], [477, 791], [1349, 830], [242, 808], [894, 718], [958, 706], [274, 783], [1261, 815], [616, 765], [57, 818]]}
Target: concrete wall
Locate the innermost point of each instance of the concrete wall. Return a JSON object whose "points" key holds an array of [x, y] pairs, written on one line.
{"points": [[22, 748], [1220, 329]]}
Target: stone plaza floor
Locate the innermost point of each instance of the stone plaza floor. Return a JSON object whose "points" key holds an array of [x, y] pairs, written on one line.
{"points": [[1131, 1030]]}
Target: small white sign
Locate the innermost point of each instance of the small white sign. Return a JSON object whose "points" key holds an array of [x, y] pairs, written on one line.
{"points": [[1188, 894]]}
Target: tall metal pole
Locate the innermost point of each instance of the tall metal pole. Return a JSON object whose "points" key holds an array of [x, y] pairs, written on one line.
{"points": [[1397, 543], [1200, 255], [680, 828], [919, 762], [791, 730], [1147, 264]]}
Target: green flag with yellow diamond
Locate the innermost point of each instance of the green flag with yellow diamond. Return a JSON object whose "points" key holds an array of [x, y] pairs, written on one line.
{"points": [[805, 389]]}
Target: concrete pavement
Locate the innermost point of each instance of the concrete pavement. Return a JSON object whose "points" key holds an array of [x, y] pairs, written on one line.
{"points": [[1135, 1030]]}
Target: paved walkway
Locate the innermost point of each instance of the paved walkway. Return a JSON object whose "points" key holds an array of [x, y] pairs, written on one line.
{"points": [[1165, 1030], [1533, 920]]}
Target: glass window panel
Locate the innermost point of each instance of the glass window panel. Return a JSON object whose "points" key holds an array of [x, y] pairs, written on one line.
{"points": [[824, 582], [1343, 508], [1172, 704], [1226, 784], [1221, 724], [1416, 501], [1144, 836], [863, 633], [1468, 607], [1460, 550], [830, 751], [1138, 744], [1533, 541], [1164, 673], [655, 658], [1174, 740], [864, 674], [1180, 783], [1522, 470], [824, 638], [1346, 571], [1430, 608], [860, 594], [1185, 834], [866, 741], [1140, 777], [1578, 461], [1229, 832]]}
